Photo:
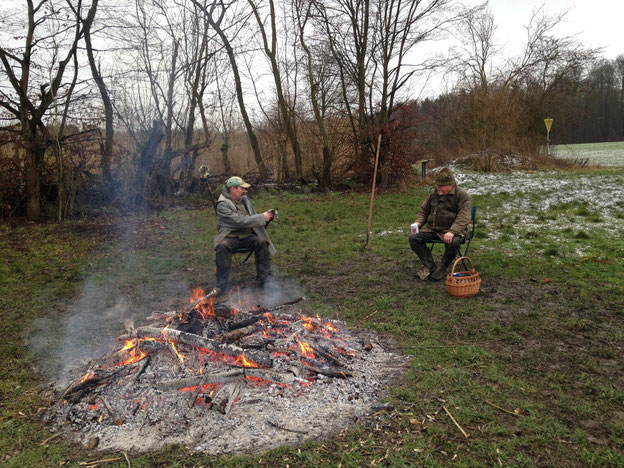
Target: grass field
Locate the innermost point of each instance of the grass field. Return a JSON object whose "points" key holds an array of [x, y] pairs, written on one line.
{"points": [[531, 368], [604, 154]]}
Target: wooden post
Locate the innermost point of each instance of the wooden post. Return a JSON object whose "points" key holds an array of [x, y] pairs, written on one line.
{"points": [[372, 197]]}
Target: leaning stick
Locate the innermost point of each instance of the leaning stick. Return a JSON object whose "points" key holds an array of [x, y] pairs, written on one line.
{"points": [[113, 414], [195, 394], [372, 197], [455, 422], [201, 300]]}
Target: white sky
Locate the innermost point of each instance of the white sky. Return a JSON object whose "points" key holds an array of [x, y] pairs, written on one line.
{"points": [[596, 24]]}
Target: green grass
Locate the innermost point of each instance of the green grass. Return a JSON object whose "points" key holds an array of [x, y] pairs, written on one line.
{"points": [[544, 336]]}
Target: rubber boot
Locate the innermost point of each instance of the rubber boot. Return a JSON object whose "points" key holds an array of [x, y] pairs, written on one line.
{"points": [[223, 259], [450, 252], [263, 264]]}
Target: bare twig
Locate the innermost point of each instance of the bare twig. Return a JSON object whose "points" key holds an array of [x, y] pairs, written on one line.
{"points": [[502, 409], [283, 428], [99, 462], [49, 439], [455, 422]]}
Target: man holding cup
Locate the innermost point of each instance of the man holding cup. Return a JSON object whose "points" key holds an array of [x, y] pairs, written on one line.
{"points": [[446, 215]]}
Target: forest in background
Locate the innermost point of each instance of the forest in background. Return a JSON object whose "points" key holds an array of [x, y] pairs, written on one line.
{"points": [[116, 105]]}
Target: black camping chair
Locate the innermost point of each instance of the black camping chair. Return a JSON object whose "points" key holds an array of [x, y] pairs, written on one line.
{"points": [[467, 239]]}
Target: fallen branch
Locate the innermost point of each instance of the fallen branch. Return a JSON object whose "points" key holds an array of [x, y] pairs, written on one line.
{"points": [[455, 422]]}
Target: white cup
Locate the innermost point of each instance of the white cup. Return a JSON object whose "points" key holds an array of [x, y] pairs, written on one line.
{"points": [[414, 228]]}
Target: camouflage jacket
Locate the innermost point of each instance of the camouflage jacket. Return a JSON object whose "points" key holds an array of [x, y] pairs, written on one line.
{"points": [[446, 213]]}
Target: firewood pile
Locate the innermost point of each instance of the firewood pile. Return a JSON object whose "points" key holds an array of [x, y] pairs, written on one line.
{"points": [[225, 379]]}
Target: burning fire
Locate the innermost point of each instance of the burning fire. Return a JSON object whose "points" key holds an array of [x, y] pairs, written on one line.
{"points": [[306, 350], [246, 363], [206, 308], [134, 350]]}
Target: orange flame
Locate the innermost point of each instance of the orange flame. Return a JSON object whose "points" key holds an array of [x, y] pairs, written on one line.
{"points": [[206, 308], [246, 363], [306, 350], [307, 323], [87, 376]]}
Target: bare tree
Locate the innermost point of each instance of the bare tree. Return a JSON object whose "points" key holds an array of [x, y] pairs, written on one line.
{"points": [[46, 30], [303, 14], [218, 10], [270, 49], [107, 146]]}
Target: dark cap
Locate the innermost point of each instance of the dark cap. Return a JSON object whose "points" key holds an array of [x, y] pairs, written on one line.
{"points": [[444, 177]]}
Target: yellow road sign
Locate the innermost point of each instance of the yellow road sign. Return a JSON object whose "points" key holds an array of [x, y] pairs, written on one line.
{"points": [[548, 123]]}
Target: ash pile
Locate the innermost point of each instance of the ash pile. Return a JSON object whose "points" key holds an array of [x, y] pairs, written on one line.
{"points": [[220, 378]]}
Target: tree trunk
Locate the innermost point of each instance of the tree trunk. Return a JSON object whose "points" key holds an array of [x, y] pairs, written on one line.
{"points": [[146, 161], [107, 147]]}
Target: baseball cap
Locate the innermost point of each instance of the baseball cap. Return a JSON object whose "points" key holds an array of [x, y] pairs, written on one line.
{"points": [[236, 182]]}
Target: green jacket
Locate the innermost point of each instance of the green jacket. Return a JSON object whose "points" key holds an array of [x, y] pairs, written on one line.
{"points": [[229, 220], [446, 213]]}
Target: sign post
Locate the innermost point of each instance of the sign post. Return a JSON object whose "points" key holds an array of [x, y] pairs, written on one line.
{"points": [[548, 122]]}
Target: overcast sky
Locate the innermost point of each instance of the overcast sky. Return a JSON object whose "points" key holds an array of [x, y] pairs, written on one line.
{"points": [[596, 23]]}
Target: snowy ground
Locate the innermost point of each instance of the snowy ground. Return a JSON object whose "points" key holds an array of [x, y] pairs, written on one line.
{"points": [[566, 206], [604, 154]]}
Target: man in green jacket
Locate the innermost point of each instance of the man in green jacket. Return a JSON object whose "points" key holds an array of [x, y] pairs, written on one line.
{"points": [[238, 226], [446, 213]]}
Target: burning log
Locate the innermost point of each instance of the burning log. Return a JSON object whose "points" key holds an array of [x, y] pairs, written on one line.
{"points": [[327, 356], [330, 372], [113, 414], [255, 341], [144, 363], [270, 375], [75, 391], [239, 332], [195, 394], [222, 397], [201, 342]]}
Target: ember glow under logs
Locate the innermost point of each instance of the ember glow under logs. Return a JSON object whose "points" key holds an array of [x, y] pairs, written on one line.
{"points": [[226, 379]]}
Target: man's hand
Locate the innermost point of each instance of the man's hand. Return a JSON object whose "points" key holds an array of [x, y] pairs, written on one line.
{"points": [[268, 215], [416, 222], [448, 237]]}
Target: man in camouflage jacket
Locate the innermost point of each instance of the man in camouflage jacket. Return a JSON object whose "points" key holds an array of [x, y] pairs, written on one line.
{"points": [[446, 213], [238, 226]]}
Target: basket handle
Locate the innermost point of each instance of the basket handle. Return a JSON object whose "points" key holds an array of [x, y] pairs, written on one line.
{"points": [[460, 259]]}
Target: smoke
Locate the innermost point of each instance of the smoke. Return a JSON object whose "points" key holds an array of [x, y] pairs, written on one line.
{"points": [[91, 324]]}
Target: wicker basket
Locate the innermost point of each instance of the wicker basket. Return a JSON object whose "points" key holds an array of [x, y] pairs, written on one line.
{"points": [[463, 283]]}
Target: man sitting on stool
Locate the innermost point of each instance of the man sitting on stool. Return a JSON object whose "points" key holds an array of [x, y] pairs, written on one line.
{"points": [[446, 212], [239, 226]]}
